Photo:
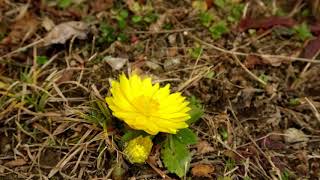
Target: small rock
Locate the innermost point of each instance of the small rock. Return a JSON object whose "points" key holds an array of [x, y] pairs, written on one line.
{"points": [[172, 39], [152, 65], [171, 63], [115, 62], [293, 135]]}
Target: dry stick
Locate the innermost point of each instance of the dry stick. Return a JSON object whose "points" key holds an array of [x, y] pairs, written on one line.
{"points": [[249, 136], [317, 61], [196, 63], [162, 32], [253, 40], [193, 79], [74, 150], [234, 151], [308, 65], [13, 171], [313, 108], [248, 71], [158, 171], [22, 48]]}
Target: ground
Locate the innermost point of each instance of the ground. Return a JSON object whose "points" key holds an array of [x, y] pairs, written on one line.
{"points": [[250, 65]]}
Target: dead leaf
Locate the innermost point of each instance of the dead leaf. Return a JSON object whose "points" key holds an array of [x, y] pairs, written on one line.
{"points": [[270, 143], [101, 5], [293, 135], [134, 7], [251, 61], [47, 23], [266, 23], [172, 51], [302, 169], [312, 48], [22, 29], [204, 147], [202, 170], [66, 76], [115, 62], [65, 31], [15, 163], [315, 29], [209, 3]]}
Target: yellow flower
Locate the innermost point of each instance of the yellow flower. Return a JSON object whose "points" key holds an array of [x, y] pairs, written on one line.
{"points": [[148, 107], [138, 149]]}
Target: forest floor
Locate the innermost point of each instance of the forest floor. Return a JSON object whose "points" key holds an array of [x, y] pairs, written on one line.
{"points": [[251, 65]]}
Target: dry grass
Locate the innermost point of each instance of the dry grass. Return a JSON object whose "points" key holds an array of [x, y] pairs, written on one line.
{"points": [[53, 118]]}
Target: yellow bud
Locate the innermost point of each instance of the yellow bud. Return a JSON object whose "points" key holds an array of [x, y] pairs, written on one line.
{"points": [[138, 149]]}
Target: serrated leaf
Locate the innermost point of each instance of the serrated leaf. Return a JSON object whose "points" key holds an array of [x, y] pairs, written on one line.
{"points": [[175, 156], [218, 29], [186, 136], [303, 31], [196, 111]]}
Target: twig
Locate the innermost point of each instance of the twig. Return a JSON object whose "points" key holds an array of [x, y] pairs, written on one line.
{"points": [[314, 109], [317, 61], [162, 32], [158, 171], [22, 48], [249, 136], [248, 71]]}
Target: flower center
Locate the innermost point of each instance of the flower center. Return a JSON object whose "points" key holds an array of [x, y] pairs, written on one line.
{"points": [[146, 105]]}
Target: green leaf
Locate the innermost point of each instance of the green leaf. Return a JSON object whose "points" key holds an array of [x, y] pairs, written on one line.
{"points": [[224, 134], [122, 23], [303, 31], [123, 13], [196, 110], [151, 17], [42, 60], [175, 156], [306, 13], [220, 3], [64, 3], [195, 52], [206, 18], [264, 77], [218, 29], [122, 37], [294, 102], [136, 19], [236, 12], [186, 136], [107, 33]]}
